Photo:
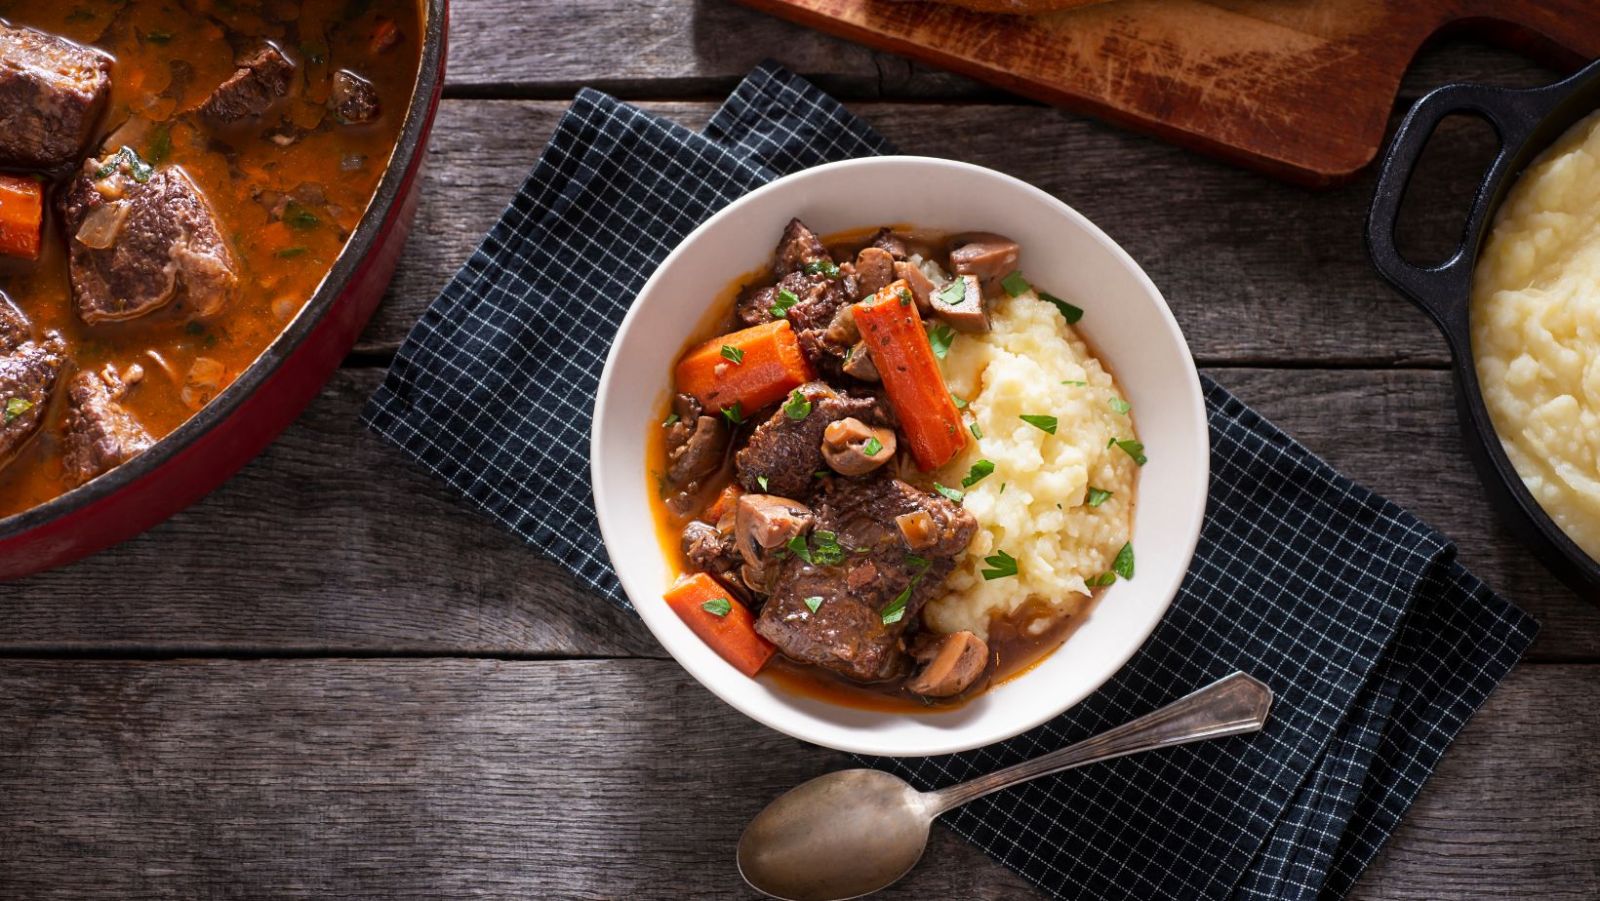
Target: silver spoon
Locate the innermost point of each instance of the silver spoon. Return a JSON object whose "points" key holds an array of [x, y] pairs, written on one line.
{"points": [[853, 832]]}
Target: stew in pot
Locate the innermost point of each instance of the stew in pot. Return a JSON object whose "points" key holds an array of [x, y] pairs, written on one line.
{"points": [[176, 179]]}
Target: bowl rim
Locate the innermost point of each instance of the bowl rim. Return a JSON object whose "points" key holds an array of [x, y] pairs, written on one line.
{"points": [[403, 161], [859, 741]]}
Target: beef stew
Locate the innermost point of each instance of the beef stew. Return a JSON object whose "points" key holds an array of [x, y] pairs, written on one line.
{"points": [[196, 171], [797, 465]]}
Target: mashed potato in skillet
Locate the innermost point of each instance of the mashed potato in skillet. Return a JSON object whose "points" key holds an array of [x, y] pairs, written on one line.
{"points": [[1536, 330], [1036, 504]]}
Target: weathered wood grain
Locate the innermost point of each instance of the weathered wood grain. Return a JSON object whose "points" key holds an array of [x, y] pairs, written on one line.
{"points": [[332, 543], [1256, 271], [1243, 80], [671, 48], [585, 779]]}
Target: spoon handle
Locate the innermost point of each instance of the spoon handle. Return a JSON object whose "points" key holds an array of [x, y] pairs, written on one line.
{"points": [[1232, 705]]}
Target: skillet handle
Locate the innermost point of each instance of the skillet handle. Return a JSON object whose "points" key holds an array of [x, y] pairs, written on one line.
{"points": [[1441, 290]]}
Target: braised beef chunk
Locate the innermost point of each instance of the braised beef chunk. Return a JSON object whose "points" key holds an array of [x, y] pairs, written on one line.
{"points": [[13, 325], [886, 239], [787, 452], [99, 434], [712, 550], [142, 238], [755, 305], [872, 588], [261, 79], [353, 99], [28, 371], [51, 92], [798, 250]]}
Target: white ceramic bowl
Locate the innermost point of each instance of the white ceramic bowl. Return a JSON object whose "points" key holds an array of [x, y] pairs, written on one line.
{"points": [[1062, 252]]}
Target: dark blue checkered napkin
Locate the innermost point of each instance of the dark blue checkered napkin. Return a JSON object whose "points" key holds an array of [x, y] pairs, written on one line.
{"points": [[1378, 645]]}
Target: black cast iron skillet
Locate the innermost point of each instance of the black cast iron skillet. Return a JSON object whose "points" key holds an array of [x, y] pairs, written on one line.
{"points": [[1527, 121]]}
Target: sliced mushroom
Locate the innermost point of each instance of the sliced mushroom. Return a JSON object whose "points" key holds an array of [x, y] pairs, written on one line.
{"points": [[858, 363], [970, 313], [842, 329], [950, 666], [765, 521], [846, 444], [874, 269], [988, 256], [919, 283], [917, 529], [696, 444]]}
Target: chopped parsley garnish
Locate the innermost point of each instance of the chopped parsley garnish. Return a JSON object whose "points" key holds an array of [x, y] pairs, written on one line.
{"points": [[160, 145], [1101, 580], [953, 293], [872, 447], [905, 297], [1068, 312], [1040, 421], [825, 549], [1001, 565], [138, 168], [762, 481], [17, 406], [1118, 405], [1123, 565], [797, 546], [954, 494], [973, 428], [1132, 448], [733, 414], [1015, 284], [798, 406], [786, 299], [289, 253], [940, 337], [1098, 496], [729, 352], [960, 402], [979, 471], [897, 607], [814, 603], [717, 606], [671, 420], [296, 216], [158, 37], [822, 267], [1077, 382], [916, 562]]}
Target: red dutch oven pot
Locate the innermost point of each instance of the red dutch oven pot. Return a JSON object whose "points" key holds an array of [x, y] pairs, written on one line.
{"points": [[227, 433]]}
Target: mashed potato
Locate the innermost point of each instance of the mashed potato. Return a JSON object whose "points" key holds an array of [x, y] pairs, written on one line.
{"points": [[1536, 330], [1034, 506]]}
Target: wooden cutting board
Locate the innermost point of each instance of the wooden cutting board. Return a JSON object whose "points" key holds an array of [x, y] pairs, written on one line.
{"points": [[1301, 89]]}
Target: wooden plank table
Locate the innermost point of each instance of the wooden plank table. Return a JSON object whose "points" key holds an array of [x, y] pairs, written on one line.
{"points": [[330, 680]]}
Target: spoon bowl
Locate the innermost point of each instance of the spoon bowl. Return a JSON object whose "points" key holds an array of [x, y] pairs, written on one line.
{"points": [[853, 832], [868, 826]]}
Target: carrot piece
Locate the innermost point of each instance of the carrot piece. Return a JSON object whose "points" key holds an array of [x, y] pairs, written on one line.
{"points": [[21, 216], [893, 331], [732, 635], [767, 364], [723, 505]]}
